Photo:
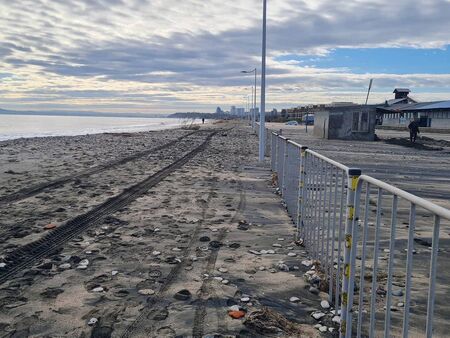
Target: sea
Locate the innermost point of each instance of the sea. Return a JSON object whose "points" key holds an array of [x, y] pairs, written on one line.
{"points": [[20, 126]]}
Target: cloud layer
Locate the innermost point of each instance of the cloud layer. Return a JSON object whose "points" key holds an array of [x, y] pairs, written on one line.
{"points": [[166, 55]]}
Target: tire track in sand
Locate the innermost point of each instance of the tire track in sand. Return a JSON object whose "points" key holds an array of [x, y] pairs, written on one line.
{"points": [[207, 290]]}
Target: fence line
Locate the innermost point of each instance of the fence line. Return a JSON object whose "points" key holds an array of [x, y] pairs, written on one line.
{"points": [[325, 200]]}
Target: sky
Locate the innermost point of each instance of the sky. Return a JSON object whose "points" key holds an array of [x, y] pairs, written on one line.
{"points": [[162, 56]]}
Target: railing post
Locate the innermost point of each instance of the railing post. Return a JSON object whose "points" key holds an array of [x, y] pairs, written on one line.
{"points": [[285, 160], [301, 194], [352, 181]]}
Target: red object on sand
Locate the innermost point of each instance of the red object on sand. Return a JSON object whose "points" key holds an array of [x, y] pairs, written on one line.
{"points": [[50, 226], [236, 314]]}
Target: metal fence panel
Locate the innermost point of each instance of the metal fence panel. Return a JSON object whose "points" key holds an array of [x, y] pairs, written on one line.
{"points": [[354, 227], [291, 179]]}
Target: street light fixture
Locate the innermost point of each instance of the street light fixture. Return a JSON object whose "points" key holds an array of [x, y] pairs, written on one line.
{"points": [[254, 101]]}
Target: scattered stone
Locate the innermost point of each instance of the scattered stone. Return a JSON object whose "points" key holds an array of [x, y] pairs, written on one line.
{"points": [[294, 299], [324, 304], [282, 267], [2, 265], [276, 245], [156, 253], [292, 254], [173, 260], [245, 299], [183, 295], [64, 266], [280, 239], [146, 292], [306, 263], [257, 253], [234, 308], [98, 289], [323, 329], [84, 262], [397, 293], [225, 281], [176, 249], [222, 270], [204, 239], [218, 278], [270, 252], [262, 268], [336, 319], [114, 272], [92, 321], [314, 291], [318, 315], [400, 304], [234, 245]]}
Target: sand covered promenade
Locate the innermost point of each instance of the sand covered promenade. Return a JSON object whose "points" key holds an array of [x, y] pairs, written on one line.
{"points": [[157, 234]]}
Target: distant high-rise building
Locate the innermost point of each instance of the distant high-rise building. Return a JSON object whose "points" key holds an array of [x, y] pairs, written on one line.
{"points": [[240, 111], [219, 110], [233, 110]]}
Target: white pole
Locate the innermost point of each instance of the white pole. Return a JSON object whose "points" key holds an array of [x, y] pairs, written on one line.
{"points": [[254, 106], [263, 88]]}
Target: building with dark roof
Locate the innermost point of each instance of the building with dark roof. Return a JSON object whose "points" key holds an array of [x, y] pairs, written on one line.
{"points": [[401, 110]]}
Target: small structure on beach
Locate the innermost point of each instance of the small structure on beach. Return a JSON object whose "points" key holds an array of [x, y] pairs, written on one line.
{"points": [[354, 122]]}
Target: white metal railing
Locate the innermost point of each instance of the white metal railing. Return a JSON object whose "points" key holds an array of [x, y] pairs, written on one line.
{"points": [[323, 198]]}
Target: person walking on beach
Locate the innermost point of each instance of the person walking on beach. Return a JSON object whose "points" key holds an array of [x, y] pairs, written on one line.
{"points": [[413, 131], [203, 120]]}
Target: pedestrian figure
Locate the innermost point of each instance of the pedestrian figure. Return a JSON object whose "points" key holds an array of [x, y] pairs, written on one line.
{"points": [[413, 131], [203, 120]]}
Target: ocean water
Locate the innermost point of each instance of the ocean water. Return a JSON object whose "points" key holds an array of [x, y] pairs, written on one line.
{"points": [[18, 126]]}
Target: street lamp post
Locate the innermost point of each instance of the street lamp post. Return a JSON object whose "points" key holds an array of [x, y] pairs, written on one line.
{"points": [[254, 95], [262, 130]]}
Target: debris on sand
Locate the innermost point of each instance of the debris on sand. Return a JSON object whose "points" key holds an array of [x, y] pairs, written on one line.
{"points": [[50, 226], [92, 321], [236, 314], [267, 321]]}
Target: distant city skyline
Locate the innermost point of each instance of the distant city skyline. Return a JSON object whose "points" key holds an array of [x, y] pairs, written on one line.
{"points": [[170, 56]]}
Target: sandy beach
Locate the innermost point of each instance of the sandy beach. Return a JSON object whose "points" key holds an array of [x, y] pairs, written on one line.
{"points": [[209, 241]]}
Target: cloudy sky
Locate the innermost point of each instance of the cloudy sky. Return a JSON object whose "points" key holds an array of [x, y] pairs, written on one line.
{"points": [[171, 55]]}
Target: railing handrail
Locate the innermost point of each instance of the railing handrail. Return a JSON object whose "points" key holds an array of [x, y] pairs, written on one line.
{"points": [[295, 144], [329, 160], [418, 201]]}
